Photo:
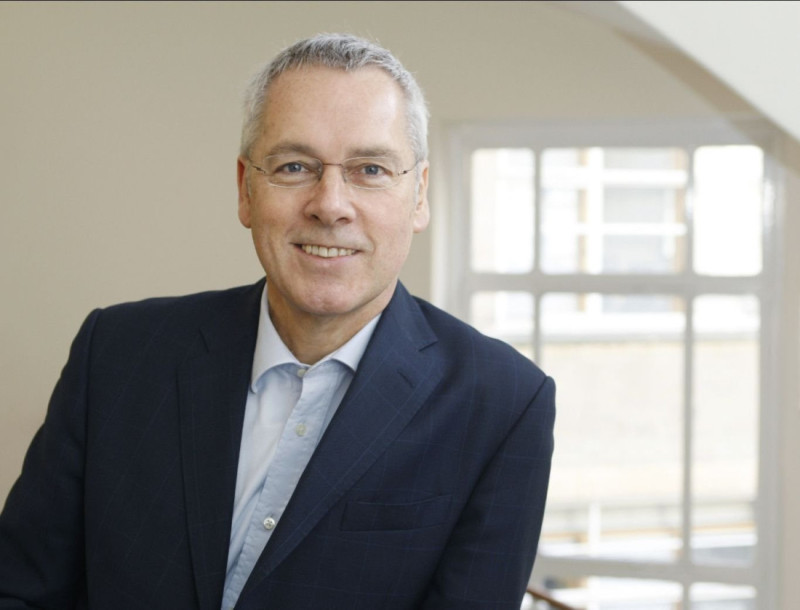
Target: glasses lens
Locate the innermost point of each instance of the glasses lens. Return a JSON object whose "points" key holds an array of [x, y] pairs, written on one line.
{"points": [[370, 172], [292, 170]]}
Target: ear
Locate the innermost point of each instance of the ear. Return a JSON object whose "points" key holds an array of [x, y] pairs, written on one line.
{"points": [[422, 213], [244, 192]]}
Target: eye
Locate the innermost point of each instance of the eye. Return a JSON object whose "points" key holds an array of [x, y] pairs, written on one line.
{"points": [[371, 170], [293, 167], [374, 170]]}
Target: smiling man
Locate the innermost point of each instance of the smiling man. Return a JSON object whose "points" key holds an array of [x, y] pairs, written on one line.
{"points": [[318, 440]]}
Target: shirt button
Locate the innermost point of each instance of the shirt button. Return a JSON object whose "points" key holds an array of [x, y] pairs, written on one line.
{"points": [[301, 373], [300, 429], [269, 523]]}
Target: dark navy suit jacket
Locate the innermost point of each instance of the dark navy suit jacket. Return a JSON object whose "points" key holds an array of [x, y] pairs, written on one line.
{"points": [[426, 491]]}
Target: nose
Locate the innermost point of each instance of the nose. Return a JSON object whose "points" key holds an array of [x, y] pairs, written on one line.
{"points": [[329, 200]]}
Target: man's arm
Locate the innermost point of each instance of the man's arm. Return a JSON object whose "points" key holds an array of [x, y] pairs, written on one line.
{"points": [[489, 556], [41, 526]]}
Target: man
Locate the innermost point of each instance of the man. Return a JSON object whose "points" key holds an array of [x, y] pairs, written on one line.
{"points": [[318, 440]]}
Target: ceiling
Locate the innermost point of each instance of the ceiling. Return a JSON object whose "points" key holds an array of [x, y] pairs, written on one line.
{"points": [[752, 47]]}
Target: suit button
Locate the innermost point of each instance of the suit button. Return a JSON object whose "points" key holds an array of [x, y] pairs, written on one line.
{"points": [[300, 429], [269, 523]]}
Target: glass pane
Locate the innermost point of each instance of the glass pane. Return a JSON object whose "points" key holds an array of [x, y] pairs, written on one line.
{"points": [[598, 593], [727, 210], [643, 230], [563, 244], [505, 315], [708, 596], [639, 205], [615, 490], [725, 406], [613, 210], [502, 210]]}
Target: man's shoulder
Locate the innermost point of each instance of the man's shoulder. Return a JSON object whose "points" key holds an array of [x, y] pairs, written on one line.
{"points": [[186, 304], [476, 365], [221, 315], [458, 341]]}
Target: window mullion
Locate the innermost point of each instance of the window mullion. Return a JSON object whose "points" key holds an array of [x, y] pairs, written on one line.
{"points": [[687, 520]]}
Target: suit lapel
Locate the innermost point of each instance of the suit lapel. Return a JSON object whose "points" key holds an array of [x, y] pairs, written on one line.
{"points": [[212, 394], [394, 379]]}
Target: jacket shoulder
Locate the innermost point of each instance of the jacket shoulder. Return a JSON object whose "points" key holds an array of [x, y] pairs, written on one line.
{"points": [[174, 321], [463, 344], [184, 304]]}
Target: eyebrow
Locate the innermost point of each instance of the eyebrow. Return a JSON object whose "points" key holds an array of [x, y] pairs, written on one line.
{"points": [[282, 148]]}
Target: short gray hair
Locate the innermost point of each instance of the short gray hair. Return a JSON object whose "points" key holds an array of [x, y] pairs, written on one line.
{"points": [[341, 52]]}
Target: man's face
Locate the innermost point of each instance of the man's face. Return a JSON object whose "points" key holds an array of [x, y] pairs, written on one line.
{"points": [[332, 115]]}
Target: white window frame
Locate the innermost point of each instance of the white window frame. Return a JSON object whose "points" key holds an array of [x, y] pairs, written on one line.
{"points": [[455, 283]]}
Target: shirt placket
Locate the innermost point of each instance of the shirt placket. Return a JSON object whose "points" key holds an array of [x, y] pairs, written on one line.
{"points": [[295, 447]]}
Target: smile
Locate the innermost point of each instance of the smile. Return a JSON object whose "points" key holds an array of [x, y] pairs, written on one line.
{"points": [[326, 252]]}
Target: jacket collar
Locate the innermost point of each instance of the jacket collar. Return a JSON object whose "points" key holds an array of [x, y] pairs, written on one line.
{"points": [[212, 391]]}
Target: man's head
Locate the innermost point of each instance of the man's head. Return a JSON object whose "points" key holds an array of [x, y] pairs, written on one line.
{"points": [[340, 52], [332, 182]]}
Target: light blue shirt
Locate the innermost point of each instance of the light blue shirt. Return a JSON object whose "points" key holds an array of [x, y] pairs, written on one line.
{"points": [[289, 405]]}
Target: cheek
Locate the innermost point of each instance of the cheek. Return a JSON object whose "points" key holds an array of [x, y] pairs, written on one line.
{"points": [[396, 238], [267, 217], [264, 233]]}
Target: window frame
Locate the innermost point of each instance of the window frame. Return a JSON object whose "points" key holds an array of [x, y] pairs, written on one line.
{"points": [[458, 283]]}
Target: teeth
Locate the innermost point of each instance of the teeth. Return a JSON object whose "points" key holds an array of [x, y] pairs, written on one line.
{"points": [[326, 252]]}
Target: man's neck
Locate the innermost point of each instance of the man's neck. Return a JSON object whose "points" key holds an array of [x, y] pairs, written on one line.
{"points": [[311, 337]]}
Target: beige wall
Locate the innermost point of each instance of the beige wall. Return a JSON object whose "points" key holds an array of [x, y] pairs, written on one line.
{"points": [[119, 130]]}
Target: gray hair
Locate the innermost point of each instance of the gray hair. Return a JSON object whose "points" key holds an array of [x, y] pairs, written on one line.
{"points": [[341, 52]]}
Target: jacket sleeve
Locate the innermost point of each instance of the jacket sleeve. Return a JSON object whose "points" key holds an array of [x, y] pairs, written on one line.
{"points": [[41, 526], [489, 557]]}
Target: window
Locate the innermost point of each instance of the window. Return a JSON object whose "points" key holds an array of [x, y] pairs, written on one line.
{"points": [[632, 263]]}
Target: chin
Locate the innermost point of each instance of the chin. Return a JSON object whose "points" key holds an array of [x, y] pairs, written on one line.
{"points": [[327, 305]]}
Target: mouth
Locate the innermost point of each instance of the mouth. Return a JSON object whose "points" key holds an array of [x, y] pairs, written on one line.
{"points": [[326, 251]]}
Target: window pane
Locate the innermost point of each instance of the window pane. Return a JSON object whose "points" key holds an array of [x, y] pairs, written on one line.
{"points": [[727, 210], [505, 315], [613, 210], [708, 596], [725, 406], [615, 490], [502, 210], [563, 245], [643, 231]]}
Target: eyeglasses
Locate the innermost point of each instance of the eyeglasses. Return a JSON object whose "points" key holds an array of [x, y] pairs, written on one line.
{"points": [[296, 171]]}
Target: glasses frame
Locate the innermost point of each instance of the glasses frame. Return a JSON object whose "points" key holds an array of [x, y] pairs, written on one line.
{"points": [[341, 165]]}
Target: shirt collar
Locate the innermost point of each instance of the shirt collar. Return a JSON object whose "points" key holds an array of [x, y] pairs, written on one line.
{"points": [[271, 351]]}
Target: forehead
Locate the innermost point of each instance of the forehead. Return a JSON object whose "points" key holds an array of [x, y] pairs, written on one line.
{"points": [[335, 112]]}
